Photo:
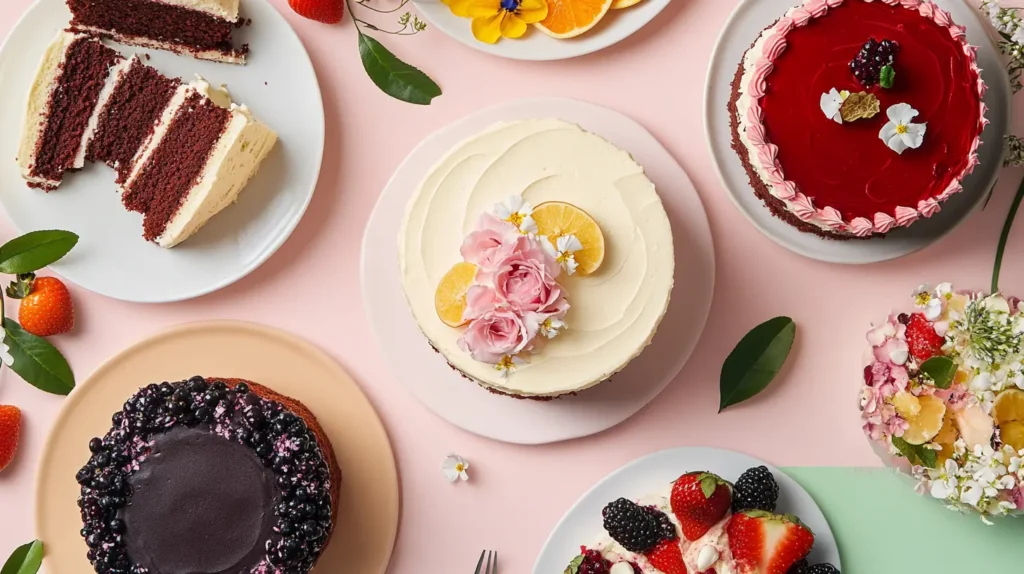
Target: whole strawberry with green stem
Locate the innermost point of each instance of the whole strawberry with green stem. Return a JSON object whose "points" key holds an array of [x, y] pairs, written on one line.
{"points": [[46, 307], [700, 500]]}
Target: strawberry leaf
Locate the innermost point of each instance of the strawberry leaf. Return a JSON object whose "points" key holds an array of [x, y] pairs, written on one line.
{"points": [[940, 371], [393, 76], [708, 485], [755, 361], [35, 250], [25, 559], [37, 361]]}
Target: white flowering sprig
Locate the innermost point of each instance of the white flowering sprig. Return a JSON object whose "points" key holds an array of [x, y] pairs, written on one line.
{"points": [[984, 482], [1008, 22]]}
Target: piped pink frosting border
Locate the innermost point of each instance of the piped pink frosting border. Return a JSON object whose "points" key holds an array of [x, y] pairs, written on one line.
{"points": [[767, 152]]}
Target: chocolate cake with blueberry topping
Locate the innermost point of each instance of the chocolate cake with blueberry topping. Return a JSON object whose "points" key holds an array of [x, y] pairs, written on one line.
{"points": [[213, 476]]}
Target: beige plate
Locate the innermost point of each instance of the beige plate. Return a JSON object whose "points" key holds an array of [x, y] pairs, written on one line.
{"points": [[368, 520]]}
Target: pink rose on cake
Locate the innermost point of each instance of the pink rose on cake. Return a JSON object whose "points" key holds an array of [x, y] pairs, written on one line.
{"points": [[493, 241], [494, 335], [527, 285]]}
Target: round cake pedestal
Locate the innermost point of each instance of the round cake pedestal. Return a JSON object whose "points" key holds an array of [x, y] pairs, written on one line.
{"points": [[368, 517]]}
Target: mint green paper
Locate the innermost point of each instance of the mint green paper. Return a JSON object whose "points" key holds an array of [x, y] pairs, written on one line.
{"points": [[883, 527]]}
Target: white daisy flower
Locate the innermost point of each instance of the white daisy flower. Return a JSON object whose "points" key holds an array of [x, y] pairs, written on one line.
{"points": [[507, 365], [832, 102], [518, 212], [563, 251], [900, 134], [455, 468], [551, 327]]}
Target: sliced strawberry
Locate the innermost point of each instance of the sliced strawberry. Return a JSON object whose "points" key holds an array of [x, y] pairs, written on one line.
{"points": [[700, 500], [922, 339], [667, 557], [767, 543], [326, 11]]}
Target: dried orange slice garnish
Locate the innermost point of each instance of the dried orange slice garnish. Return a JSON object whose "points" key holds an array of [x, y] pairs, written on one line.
{"points": [[556, 218], [1009, 406], [450, 296], [927, 422]]}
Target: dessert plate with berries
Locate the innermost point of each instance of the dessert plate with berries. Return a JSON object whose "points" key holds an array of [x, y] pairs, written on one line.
{"points": [[809, 225], [693, 510], [571, 28]]}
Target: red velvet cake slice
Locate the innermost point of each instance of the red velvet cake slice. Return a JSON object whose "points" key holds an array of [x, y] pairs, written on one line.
{"points": [[129, 114], [60, 117], [201, 28]]}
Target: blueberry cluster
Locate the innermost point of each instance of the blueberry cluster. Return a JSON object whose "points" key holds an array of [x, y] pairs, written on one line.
{"points": [[873, 56], [303, 515], [637, 528]]}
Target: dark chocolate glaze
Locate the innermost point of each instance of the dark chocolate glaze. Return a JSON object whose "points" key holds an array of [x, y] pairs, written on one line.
{"points": [[200, 504]]}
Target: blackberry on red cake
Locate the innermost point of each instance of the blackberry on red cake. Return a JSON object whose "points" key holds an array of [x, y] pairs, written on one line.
{"points": [[834, 174], [209, 475], [200, 28]]}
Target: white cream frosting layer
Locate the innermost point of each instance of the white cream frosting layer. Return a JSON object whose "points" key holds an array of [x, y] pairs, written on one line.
{"points": [[113, 79], [37, 105], [614, 312]]}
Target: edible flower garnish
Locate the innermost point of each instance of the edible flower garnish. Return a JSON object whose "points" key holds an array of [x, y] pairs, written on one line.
{"points": [[5, 351], [900, 134], [832, 102], [494, 19], [455, 468], [563, 251], [518, 212]]}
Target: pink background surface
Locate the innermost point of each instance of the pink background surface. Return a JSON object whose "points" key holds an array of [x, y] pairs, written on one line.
{"points": [[517, 494]]}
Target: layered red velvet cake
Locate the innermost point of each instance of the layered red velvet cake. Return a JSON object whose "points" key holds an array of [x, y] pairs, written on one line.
{"points": [[201, 28], [182, 152], [214, 476], [854, 117]]}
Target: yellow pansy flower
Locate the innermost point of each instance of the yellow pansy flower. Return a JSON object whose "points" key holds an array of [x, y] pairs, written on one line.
{"points": [[493, 19]]}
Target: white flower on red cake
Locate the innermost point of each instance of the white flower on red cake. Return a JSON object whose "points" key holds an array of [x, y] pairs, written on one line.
{"points": [[455, 468], [899, 133], [832, 102], [490, 244], [563, 251], [518, 212]]}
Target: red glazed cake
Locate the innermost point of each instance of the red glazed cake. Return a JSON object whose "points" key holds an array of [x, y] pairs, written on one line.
{"points": [[854, 117], [200, 28], [182, 152]]}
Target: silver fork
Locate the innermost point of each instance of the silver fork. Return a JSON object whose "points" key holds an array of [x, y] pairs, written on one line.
{"points": [[491, 567]]}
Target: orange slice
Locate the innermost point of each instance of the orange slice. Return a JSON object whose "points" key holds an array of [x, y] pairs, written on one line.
{"points": [[556, 218], [450, 296], [620, 4], [570, 18], [946, 437], [1012, 433], [927, 422], [1009, 406]]}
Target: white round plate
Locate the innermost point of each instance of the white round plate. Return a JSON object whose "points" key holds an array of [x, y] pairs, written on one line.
{"points": [[650, 474], [616, 26], [462, 402], [279, 86], [743, 27]]}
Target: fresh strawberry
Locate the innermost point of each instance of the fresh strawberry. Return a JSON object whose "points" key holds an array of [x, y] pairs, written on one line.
{"points": [[667, 557], [326, 11], [10, 428], [699, 500], [924, 342], [46, 307], [766, 543]]}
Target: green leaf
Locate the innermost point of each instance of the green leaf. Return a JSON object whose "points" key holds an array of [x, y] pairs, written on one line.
{"points": [[916, 454], [35, 250], [37, 361], [941, 370], [573, 568], [393, 76], [25, 559], [886, 76], [1007, 225], [755, 361], [708, 485]]}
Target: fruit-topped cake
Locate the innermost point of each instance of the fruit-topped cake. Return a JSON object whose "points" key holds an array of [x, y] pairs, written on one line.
{"points": [[537, 259], [943, 397], [702, 525], [220, 476], [855, 117]]}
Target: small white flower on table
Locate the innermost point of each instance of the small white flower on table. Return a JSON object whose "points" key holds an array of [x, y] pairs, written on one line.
{"points": [[518, 212], [900, 134], [455, 468], [832, 102], [5, 351], [563, 251]]}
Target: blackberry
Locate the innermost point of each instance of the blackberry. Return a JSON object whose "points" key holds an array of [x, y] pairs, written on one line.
{"points": [[594, 563], [873, 56], [798, 568], [756, 489], [637, 528], [821, 569]]}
